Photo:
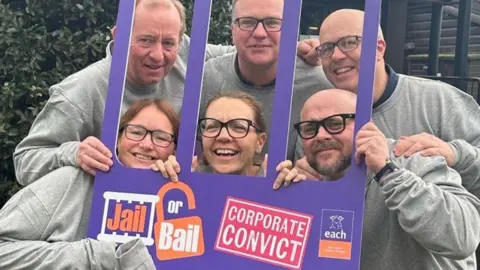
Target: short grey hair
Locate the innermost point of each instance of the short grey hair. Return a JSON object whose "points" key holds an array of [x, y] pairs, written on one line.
{"points": [[149, 4]]}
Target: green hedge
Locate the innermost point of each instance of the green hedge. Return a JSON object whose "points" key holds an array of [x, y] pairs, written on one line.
{"points": [[42, 42]]}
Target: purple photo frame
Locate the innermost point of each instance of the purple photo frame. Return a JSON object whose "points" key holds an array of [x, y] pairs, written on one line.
{"points": [[221, 221]]}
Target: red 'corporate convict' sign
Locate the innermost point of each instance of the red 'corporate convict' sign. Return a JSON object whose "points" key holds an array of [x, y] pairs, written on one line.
{"points": [[264, 233]]}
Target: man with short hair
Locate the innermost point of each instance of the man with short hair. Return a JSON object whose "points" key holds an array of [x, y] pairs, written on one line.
{"points": [[256, 29], [429, 117], [417, 214], [67, 131]]}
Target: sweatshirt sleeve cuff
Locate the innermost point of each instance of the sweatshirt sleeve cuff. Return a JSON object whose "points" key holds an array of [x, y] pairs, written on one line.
{"points": [[69, 153], [134, 255], [464, 153]]}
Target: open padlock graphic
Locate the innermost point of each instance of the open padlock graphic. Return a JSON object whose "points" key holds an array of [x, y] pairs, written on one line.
{"points": [[179, 237]]}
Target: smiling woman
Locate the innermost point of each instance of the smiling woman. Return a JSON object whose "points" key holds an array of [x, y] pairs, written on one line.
{"points": [[233, 131], [148, 132]]}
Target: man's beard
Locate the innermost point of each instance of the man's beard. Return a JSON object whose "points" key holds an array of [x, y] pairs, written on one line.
{"points": [[336, 168], [329, 171]]}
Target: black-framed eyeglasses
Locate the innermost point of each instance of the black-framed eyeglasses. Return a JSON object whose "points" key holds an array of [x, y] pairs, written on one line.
{"points": [[251, 23], [345, 44], [236, 128], [159, 137], [334, 124]]}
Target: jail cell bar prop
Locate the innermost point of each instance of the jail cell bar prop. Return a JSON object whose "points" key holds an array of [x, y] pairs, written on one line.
{"points": [[118, 197], [333, 235]]}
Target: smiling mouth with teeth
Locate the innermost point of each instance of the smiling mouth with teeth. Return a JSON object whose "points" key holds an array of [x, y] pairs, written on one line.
{"points": [[143, 157], [343, 70], [225, 152]]}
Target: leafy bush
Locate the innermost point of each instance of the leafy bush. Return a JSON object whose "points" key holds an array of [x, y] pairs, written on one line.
{"points": [[44, 41]]}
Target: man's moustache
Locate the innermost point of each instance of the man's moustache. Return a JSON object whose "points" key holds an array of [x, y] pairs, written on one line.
{"points": [[325, 145]]}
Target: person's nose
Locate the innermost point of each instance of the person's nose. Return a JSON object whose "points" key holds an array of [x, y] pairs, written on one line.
{"points": [[223, 135], [338, 54], [323, 134], [260, 31], [147, 143], [157, 53]]}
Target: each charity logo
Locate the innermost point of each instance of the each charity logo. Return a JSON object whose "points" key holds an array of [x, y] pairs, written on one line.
{"points": [[264, 233], [336, 222], [336, 234]]}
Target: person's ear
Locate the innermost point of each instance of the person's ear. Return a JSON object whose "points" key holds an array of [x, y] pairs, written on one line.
{"points": [[381, 48], [114, 31], [261, 139]]}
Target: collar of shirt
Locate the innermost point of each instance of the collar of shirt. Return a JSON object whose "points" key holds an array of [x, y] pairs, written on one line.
{"points": [[244, 80], [391, 85]]}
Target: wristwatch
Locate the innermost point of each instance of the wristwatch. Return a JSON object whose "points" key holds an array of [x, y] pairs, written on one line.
{"points": [[388, 168]]}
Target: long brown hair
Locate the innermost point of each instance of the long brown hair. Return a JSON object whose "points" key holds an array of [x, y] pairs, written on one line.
{"points": [[161, 105]]}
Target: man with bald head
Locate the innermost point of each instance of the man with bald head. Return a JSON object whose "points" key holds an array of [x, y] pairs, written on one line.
{"points": [[417, 214], [340, 44], [256, 30], [429, 117]]}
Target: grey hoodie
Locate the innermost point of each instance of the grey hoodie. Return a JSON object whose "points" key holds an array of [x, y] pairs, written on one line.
{"points": [[419, 218], [75, 111], [419, 105], [44, 226]]}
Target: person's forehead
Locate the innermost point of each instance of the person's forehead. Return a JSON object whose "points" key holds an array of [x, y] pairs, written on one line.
{"points": [[318, 112], [328, 103], [264, 8], [229, 108], [336, 34], [152, 118], [334, 29], [158, 12], [149, 21], [149, 112]]}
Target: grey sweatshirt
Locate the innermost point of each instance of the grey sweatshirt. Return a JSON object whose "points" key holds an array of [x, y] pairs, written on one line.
{"points": [[421, 218], [419, 105], [75, 111], [44, 226], [220, 75]]}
